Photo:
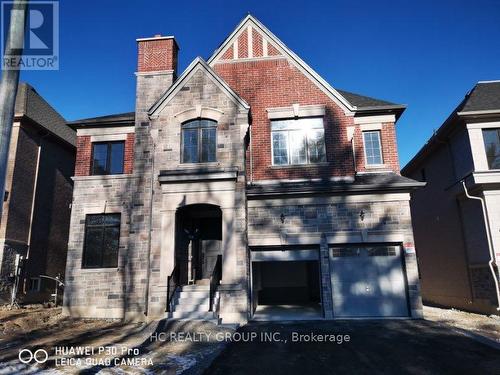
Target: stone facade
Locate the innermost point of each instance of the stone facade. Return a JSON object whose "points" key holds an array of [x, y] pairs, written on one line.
{"points": [[237, 95]]}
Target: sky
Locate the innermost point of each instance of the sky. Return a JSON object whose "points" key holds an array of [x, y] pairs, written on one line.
{"points": [[425, 54]]}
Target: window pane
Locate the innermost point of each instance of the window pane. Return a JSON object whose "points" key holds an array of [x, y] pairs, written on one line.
{"points": [[190, 145], [280, 148], [492, 146], [372, 148], [298, 153], [117, 153], [110, 247], [208, 123], [93, 243], [208, 144], [316, 144], [112, 219], [100, 157], [191, 124], [95, 219]]}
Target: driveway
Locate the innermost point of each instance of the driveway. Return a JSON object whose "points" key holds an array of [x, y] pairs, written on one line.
{"points": [[372, 347]]}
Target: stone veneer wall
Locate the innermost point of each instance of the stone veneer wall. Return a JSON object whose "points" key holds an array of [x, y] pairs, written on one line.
{"points": [[105, 292], [307, 222], [201, 93]]}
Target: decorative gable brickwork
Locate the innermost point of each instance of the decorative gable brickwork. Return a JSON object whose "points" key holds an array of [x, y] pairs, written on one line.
{"points": [[250, 43]]}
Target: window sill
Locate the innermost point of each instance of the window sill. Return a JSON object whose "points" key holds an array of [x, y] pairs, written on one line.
{"points": [[94, 270], [289, 166], [103, 177], [197, 165], [376, 166]]}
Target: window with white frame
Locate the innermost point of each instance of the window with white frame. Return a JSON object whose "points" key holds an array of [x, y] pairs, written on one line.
{"points": [[373, 148], [491, 139], [298, 141]]}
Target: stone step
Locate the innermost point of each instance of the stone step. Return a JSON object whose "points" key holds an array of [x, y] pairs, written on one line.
{"points": [[190, 299], [195, 294], [194, 288], [192, 307], [192, 315]]}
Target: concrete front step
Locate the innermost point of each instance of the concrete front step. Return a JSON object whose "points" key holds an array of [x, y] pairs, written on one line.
{"points": [[193, 295], [192, 308], [192, 315], [196, 288]]}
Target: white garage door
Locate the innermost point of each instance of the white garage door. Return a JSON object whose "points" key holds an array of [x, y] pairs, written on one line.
{"points": [[368, 282]]}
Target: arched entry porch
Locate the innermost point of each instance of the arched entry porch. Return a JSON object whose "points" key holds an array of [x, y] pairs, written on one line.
{"points": [[198, 242]]}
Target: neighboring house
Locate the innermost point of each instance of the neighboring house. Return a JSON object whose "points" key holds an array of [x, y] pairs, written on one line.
{"points": [[34, 227], [456, 238], [247, 186]]}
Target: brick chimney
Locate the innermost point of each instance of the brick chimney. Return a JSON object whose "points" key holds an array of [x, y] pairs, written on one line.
{"points": [[157, 54], [156, 70]]}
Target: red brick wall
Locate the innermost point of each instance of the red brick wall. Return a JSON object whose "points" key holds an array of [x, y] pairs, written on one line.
{"points": [[276, 83], [243, 44], [129, 154], [84, 155], [157, 55], [389, 148]]}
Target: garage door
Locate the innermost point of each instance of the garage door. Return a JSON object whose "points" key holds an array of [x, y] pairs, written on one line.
{"points": [[368, 282]]}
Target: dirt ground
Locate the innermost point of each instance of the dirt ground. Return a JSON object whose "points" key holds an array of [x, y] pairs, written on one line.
{"points": [[156, 348], [487, 326], [174, 347]]}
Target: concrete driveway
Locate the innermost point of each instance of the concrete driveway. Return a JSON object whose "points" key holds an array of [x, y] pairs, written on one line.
{"points": [[372, 347]]}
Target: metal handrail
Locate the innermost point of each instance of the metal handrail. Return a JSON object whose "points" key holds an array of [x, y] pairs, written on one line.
{"points": [[172, 284], [215, 279]]}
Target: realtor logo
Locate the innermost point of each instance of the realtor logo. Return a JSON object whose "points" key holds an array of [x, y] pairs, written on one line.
{"points": [[41, 37]]}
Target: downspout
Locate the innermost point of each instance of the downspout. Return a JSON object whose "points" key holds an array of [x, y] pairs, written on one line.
{"points": [[153, 134], [490, 244]]}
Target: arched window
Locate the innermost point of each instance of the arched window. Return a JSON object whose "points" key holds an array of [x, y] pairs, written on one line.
{"points": [[199, 141]]}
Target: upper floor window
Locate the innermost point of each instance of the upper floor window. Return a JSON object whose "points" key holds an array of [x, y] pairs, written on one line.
{"points": [[102, 236], [107, 157], [300, 141], [492, 146], [199, 141], [373, 148]]}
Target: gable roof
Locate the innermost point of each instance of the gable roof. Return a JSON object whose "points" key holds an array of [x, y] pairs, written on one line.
{"points": [[196, 64], [126, 118], [366, 102], [483, 99], [30, 104], [348, 101], [485, 96]]}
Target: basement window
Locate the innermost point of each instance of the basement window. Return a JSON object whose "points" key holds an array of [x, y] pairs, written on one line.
{"points": [[107, 157], [298, 141], [102, 237], [34, 284]]}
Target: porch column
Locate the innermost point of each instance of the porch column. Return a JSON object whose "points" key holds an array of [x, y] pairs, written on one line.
{"points": [[167, 257], [228, 246]]}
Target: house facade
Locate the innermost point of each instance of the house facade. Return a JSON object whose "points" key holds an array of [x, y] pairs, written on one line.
{"points": [[245, 188], [34, 226], [456, 217]]}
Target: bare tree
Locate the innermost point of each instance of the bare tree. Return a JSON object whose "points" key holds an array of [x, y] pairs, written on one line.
{"points": [[9, 84]]}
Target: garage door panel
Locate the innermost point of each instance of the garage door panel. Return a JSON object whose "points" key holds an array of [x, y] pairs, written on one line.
{"points": [[368, 281]]}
